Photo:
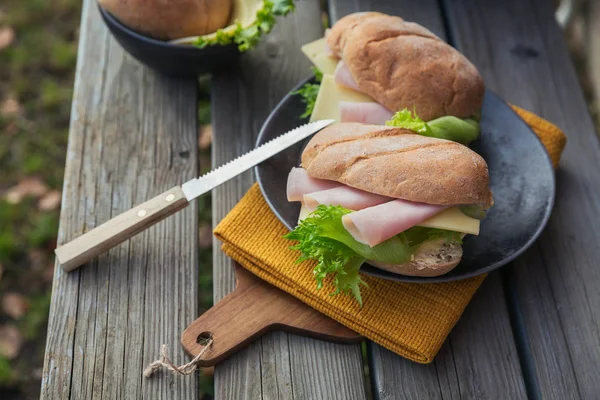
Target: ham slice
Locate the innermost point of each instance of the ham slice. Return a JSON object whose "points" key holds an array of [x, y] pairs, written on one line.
{"points": [[345, 196], [300, 183], [342, 76], [376, 224], [366, 113]]}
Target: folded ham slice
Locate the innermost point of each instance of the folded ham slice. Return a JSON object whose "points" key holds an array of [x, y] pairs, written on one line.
{"points": [[366, 113], [379, 217], [376, 224], [299, 184], [343, 76], [345, 196]]}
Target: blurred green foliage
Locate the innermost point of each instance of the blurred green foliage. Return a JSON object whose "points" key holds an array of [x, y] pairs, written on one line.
{"points": [[34, 321], [6, 372], [36, 76], [37, 71], [36, 81]]}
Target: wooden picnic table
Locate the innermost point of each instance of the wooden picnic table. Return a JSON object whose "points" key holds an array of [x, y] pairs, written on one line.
{"points": [[531, 331]]}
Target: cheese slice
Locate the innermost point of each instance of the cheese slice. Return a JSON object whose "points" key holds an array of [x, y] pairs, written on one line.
{"points": [[451, 219], [304, 211], [327, 105], [315, 51]]}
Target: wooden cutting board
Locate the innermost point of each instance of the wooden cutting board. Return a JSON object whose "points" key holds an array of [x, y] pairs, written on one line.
{"points": [[254, 308]]}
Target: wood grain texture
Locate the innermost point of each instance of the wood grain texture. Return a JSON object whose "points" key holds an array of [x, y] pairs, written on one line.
{"points": [[254, 308], [459, 370], [479, 360], [273, 367], [132, 136], [523, 56]]}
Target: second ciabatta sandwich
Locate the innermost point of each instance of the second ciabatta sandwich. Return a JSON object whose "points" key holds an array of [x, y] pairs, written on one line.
{"points": [[403, 65], [375, 65], [386, 196]]}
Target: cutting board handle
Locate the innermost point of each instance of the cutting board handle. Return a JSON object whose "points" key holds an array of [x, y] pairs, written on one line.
{"points": [[254, 308]]}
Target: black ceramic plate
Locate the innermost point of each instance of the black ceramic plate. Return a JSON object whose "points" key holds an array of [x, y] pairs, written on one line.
{"points": [[175, 60], [521, 176]]}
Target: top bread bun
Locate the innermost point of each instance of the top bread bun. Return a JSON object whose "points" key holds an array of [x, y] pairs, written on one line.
{"points": [[403, 65], [398, 163]]}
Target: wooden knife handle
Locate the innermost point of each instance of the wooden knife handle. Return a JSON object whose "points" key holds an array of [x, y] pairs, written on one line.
{"points": [[115, 231]]}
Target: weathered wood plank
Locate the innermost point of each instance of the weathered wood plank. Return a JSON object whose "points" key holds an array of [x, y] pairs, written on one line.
{"points": [[459, 370], [522, 55], [479, 360], [279, 365], [132, 136]]}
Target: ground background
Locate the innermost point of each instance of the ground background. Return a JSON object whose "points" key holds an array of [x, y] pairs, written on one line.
{"points": [[38, 52]]}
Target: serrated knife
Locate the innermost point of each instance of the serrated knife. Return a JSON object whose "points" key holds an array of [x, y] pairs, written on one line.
{"points": [[115, 231]]}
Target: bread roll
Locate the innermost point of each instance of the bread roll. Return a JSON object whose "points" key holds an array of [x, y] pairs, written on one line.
{"points": [[172, 19], [433, 258], [403, 65], [398, 163], [337, 35]]}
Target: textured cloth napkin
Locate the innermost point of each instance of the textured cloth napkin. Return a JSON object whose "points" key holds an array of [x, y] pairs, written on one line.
{"points": [[410, 319]]}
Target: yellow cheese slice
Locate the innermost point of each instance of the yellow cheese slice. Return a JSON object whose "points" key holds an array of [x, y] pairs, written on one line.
{"points": [[452, 219], [327, 105], [315, 51], [304, 211]]}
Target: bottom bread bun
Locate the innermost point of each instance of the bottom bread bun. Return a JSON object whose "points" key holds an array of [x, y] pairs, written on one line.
{"points": [[433, 258]]}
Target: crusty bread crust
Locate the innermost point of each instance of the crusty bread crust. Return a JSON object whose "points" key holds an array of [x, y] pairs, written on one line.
{"points": [[171, 19], [397, 163], [403, 65], [337, 35], [433, 258]]}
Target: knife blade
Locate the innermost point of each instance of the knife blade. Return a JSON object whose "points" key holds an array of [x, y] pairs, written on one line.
{"points": [[115, 231]]}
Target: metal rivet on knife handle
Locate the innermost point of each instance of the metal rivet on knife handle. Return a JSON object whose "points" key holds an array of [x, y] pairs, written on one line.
{"points": [[117, 230]]}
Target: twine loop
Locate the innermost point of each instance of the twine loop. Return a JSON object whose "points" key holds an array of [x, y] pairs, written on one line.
{"points": [[166, 363]]}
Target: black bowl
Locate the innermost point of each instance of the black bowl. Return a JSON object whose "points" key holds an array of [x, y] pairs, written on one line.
{"points": [[521, 178], [183, 61]]}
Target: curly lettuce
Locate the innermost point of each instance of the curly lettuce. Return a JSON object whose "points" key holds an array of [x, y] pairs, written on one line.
{"points": [[322, 237], [248, 37], [309, 92]]}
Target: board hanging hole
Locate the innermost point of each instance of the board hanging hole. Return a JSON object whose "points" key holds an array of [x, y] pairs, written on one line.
{"points": [[204, 338]]}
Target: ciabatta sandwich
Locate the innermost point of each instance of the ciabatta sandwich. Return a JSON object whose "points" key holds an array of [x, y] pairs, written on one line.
{"points": [[386, 196]]}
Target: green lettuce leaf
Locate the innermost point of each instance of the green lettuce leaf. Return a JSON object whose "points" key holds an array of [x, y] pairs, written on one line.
{"points": [[248, 37], [405, 119], [463, 131], [448, 127], [326, 221], [333, 258], [309, 92], [322, 237], [419, 234], [474, 211], [317, 72]]}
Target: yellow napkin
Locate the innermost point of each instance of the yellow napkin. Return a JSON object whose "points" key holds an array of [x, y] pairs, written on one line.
{"points": [[410, 319]]}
